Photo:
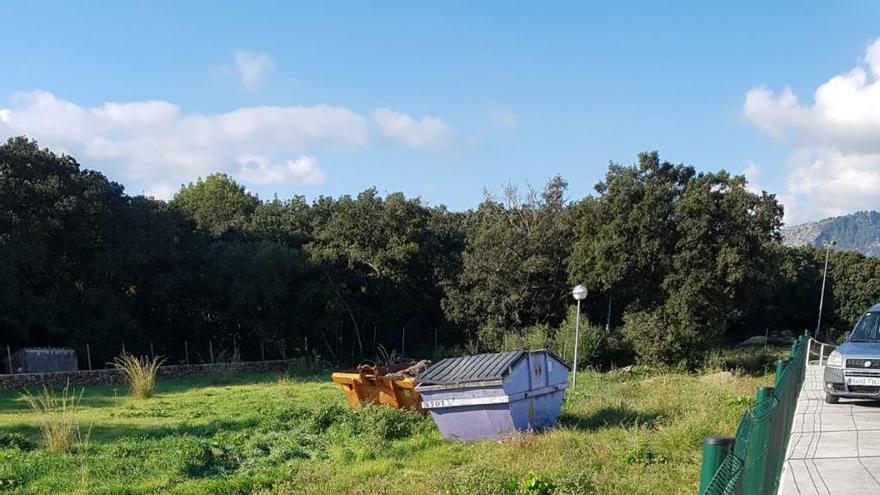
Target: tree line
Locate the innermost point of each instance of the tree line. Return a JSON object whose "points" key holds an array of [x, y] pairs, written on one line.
{"points": [[677, 263]]}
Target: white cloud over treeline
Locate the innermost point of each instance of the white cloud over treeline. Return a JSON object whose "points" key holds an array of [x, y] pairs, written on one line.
{"points": [[834, 166], [157, 144]]}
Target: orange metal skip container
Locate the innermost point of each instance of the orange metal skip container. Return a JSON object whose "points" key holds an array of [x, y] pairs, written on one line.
{"points": [[364, 384]]}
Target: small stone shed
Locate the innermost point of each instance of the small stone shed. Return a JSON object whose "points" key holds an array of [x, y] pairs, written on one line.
{"points": [[42, 360]]}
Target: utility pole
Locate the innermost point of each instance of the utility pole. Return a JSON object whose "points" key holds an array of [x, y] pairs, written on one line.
{"points": [[822, 295]]}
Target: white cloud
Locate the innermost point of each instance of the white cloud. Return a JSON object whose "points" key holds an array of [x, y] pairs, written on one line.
{"points": [[162, 190], [827, 182], [302, 171], [835, 163], [157, 146], [427, 133], [251, 68]]}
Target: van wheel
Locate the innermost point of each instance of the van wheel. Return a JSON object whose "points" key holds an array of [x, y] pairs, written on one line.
{"points": [[831, 399]]}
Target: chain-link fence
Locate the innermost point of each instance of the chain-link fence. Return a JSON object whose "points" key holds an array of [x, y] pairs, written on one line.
{"points": [[98, 355], [755, 457]]}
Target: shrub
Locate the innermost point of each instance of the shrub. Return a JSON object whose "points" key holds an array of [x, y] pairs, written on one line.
{"points": [[536, 337], [490, 337], [10, 440], [58, 416], [139, 373], [385, 423], [322, 417], [662, 335], [591, 345]]}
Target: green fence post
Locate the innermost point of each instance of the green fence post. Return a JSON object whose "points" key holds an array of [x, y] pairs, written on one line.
{"points": [[780, 368], [763, 393], [715, 449]]}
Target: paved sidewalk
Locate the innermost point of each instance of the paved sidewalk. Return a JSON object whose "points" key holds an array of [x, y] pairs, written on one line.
{"points": [[834, 448]]}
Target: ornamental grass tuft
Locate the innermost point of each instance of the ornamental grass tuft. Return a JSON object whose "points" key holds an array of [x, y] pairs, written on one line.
{"points": [[139, 373]]}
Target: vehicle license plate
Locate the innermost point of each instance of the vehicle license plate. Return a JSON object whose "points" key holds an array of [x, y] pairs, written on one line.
{"points": [[863, 380]]}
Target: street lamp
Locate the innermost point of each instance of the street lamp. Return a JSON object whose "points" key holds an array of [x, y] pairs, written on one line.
{"points": [[579, 293], [822, 295]]}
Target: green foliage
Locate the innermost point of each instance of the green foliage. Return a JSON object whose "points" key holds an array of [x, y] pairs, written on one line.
{"points": [[855, 285], [677, 261], [513, 266], [683, 254], [643, 454], [533, 484], [593, 342], [14, 440], [216, 204], [594, 347], [624, 237], [385, 423], [191, 456], [661, 336], [535, 337]]}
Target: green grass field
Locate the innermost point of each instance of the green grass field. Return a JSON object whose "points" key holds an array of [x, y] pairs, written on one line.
{"points": [[265, 433]]}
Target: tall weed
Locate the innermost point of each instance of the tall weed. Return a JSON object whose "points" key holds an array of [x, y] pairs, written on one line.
{"points": [[139, 373], [57, 413]]}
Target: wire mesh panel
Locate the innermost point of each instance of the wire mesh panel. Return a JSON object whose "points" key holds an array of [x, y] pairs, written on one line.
{"points": [[754, 465]]}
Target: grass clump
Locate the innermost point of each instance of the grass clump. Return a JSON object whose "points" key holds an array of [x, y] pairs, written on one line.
{"points": [[139, 373], [58, 414]]}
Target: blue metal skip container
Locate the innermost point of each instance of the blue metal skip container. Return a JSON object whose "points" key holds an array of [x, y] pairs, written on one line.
{"points": [[493, 395]]}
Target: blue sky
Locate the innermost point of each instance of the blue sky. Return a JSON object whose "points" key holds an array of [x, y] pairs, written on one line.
{"points": [[442, 100]]}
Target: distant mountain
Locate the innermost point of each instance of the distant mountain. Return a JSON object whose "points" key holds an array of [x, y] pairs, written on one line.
{"points": [[859, 231]]}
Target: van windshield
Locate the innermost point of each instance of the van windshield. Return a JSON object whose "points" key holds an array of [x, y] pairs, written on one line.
{"points": [[867, 329]]}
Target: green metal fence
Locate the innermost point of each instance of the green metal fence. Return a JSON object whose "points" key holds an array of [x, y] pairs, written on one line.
{"points": [[751, 463]]}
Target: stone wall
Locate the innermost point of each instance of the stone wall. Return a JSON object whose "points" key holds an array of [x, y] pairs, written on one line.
{"points": [[111, 376]]}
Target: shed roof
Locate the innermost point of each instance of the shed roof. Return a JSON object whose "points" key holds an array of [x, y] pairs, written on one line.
{"points": [[466, 369], [54, 350]]}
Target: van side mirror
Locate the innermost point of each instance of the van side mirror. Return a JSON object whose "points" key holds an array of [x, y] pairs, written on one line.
{"points": [[846, 336]]}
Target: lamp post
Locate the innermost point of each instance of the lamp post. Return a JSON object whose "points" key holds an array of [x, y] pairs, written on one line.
{"points": [[579, 293], [822, 295]]}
